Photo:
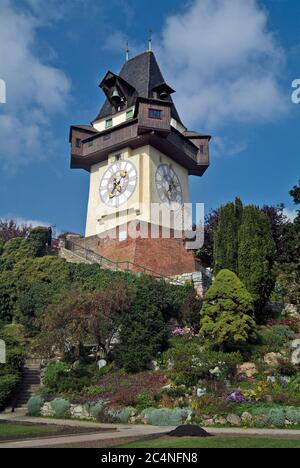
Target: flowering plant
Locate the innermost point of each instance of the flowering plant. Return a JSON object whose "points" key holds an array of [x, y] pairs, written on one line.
{"points": [[179, 331], [236, 397]]}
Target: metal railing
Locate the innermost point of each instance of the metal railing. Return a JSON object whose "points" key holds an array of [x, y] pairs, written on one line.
{"points": [[122, 266]]}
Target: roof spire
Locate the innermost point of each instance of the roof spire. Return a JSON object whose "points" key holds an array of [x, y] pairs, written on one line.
{"points": [[150, 41], [127, 51]]}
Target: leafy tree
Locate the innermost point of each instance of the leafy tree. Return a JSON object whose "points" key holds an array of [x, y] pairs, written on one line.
{"points": [[227, 313], [80, 316], [295, 193], [278, 221], [143, 334], [288, 267], [10, 373], [226, 237], [9, 229], [256, 256]]}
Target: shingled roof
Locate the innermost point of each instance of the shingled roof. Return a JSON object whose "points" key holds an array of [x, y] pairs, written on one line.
{"points": [[143, 73]]}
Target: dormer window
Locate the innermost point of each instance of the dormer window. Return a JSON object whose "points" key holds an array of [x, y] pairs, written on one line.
{"points": [[162, 91], [154, 114], [108, 123], [129, 114]]}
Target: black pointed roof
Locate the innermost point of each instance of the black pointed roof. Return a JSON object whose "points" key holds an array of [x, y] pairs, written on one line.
{"points": [[143, 74]]}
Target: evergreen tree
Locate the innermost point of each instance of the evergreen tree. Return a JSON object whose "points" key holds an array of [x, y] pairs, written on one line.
{"points": [[206, 253], [227, 312], [256, 255], [226, 237], [295, 194], [143, 334]]}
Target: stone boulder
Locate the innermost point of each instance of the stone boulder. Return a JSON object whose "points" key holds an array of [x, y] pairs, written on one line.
{"points": [[234, 420], [291, 310], [273, 359], [295, 359], [295, 344], [248, 369], [79, 412], [246, 417], [101, 363], [47, 410]]}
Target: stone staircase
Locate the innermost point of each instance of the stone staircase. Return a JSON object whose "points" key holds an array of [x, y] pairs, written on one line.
{"points": [[30, 383]]}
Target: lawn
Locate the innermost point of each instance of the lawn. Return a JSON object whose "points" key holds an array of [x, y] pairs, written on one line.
{"points": [[16, 430], [215, 442]]}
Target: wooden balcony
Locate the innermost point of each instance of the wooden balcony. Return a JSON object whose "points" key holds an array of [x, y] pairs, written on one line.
{"points": [[89, 147]]}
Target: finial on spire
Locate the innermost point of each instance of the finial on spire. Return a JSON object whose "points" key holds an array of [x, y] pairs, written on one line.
{"points": [[150, 41], [127, 51]]}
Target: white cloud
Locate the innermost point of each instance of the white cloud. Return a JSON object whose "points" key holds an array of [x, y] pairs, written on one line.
{"points": [[224, 63], [35, 90], [290, 214], [31, 222]]}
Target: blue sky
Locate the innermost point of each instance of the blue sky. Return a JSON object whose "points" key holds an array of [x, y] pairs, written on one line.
{"points": [[232, 63]]}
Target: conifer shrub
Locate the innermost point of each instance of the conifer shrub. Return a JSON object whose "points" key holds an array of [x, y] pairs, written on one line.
{"points": [[166, 416], [293, 415], [34, 405], [60, 407], [96, 409], [226, 317]]}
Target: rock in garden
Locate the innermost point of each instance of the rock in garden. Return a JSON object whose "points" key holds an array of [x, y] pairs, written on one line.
{"points": [[189, 430], [295, 344], [201, 392], [246, 417], [220, 421], [272, 359], [296, 357], [292, 310], [248, 369], [102, 363], [234, 420], [47, 410]]}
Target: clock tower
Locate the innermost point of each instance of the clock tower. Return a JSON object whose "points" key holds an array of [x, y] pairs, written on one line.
{"points": [[139, 155]]}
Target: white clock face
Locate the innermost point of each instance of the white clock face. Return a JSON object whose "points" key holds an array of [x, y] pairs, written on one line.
{"points": [[169, 187], [118, 183]]}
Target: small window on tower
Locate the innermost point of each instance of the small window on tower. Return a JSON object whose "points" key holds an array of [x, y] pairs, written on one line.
{"points": [[154, 114], [129, 114], [78, 143], [108, 123], [202, 149]]}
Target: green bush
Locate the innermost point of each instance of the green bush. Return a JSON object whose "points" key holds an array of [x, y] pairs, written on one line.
{"points": [[143, 334], [166, 416], [60, 407], [293, 415], [10, 373], [144, 400], [277, 417], [123, 415], [96, 409], [54, 374], [227, 313], [273, 339], [34, 406], [188, 363], [8, 383]]}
